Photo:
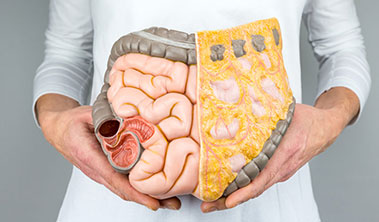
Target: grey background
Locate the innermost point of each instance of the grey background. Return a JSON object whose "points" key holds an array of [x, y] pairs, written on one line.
{"points": [[34, 176]]}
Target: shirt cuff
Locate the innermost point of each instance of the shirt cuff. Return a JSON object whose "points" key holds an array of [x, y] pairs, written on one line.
{"points": [[346, 69], [59, 81]]}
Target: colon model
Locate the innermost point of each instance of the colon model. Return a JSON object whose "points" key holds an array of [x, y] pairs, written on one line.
{"points": [[198, 127]]}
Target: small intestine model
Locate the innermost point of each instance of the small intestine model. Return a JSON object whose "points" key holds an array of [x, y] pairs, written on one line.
{"points": [[196, 114]]}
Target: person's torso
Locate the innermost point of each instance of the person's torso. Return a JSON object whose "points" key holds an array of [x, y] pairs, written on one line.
{"points": [[289, 201]]}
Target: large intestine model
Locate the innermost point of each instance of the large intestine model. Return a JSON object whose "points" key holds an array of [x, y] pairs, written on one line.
{"points": [[196, 114]]}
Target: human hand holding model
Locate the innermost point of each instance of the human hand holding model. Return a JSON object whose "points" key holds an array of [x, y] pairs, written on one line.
{"points": [[68, 127], [312, 130]]}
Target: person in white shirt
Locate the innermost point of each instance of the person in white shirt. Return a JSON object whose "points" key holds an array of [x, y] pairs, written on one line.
{"points": [[78, 41]]}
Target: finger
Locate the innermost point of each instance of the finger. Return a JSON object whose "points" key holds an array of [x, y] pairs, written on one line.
{"points": [[292, 167], [172, 203], [91, 155], [219, 204], [286, 177], [260, 183], [283, 158], [250, 191], [121, 183], [88, 171], [276, 174], [96, 177]]}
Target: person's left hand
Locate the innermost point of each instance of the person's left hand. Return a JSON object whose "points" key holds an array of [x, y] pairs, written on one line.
{"points": [[312, 130]]}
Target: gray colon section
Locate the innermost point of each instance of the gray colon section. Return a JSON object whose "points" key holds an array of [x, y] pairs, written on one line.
{"points": [[155, 41], [253, 168], [258, 42], [275, 33], [238, 47], [217, 52]]}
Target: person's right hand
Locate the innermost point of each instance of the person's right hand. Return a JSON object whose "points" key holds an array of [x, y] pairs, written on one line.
{"points": [[71, 132]]}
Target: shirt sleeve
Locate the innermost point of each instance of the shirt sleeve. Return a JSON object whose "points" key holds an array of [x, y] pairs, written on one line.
{"points": [[335, 36], [67, 66]]}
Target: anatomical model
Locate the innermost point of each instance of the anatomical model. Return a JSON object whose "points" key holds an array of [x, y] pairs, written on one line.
{"points": [[196, 114]]}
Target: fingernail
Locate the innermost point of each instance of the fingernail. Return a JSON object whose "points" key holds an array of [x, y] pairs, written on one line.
{"points": [[151, 208], [171, 207], [238, 203], [211, 209]]}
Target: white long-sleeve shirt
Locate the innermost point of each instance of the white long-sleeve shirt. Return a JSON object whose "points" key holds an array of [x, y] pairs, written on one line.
{"points": [[78, 42]]}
